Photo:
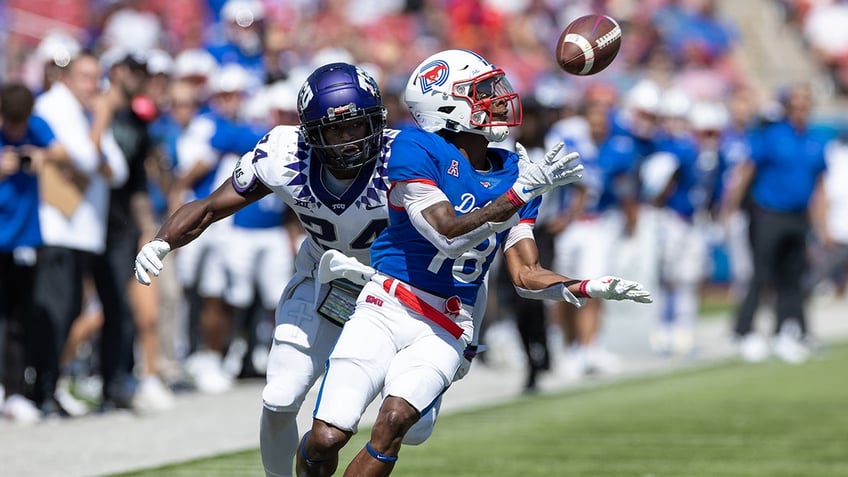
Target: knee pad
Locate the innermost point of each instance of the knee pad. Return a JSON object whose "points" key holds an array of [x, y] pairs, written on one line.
{"points": [[278, 398], [418, 433], [423, 428]]}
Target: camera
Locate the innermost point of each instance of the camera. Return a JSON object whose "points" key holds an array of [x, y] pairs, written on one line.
{"points": [[25, 162]]}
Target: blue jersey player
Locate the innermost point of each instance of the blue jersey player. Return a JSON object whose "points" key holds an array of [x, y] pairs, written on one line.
{"points": [[331, 171], [453, 203]]}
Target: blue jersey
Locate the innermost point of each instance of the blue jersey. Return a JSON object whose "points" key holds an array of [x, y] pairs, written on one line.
{"points": [[19, 193], [788, 163], [267, 212], [401, 252], [618, 160], [683, 198], [238, 138]]}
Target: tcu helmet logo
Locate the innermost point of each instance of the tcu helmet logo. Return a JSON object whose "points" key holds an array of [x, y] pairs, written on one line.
{"points": [[433, 74], [366, 82], [304, 97]]}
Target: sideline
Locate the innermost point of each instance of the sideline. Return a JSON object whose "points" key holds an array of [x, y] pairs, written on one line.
{"points": [[206, 425]]}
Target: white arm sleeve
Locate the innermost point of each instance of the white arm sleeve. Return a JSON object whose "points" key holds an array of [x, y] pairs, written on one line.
{"points": [[557, 292], [415, 197], [517, 233]]}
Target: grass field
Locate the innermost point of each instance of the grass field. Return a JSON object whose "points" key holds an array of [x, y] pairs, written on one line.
{"points": [[729, 419]]}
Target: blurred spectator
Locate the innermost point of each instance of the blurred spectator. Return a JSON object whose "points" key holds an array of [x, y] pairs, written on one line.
{"points": [[207, 153], [592, 221], [786, 166], [830, 221], [44, 66], [824, 30], [179, 107], [530, 315], [683, 182], [243, 39], [637, 123], [26, 143], [73, 218], [736, 148], [160, 67], [130, 26], [195, 66], [131, 220]]}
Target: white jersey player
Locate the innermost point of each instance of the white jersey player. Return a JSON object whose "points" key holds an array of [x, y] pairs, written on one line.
{"points": [[332, 172]]}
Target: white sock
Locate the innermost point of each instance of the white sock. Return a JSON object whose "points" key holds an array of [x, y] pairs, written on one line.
{"points": [[278, 441]]}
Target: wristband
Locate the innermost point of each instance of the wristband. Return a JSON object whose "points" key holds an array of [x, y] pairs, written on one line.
{"points": [[583, 288], [514, 199]]}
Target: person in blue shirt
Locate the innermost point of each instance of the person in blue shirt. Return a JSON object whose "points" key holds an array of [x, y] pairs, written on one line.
{"points": [[785, 168], [26, 143], [242, 39], [595, 207], [454, 201]]}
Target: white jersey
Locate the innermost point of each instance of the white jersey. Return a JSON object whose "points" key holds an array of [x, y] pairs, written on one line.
{"points": [[349, 223]]}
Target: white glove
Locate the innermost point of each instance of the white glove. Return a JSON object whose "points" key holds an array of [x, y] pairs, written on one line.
{"points": [[149, 260], [534, 179], [615, 288], [471, 351], [335, 264]]}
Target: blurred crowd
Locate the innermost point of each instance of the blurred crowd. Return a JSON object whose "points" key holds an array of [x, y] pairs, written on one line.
{"points": [[128, 109], [819, 23]]}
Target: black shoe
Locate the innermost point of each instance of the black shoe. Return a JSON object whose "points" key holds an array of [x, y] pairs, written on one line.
{"points": [[531, 386], [111, 405]]}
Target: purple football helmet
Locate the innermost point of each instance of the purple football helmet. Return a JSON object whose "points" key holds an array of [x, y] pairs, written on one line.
{"points": [[332, 95]]}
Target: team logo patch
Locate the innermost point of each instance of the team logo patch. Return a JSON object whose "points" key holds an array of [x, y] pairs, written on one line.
{"points": [[454, 169], [453, 306], [486, 184], [433, 74]]}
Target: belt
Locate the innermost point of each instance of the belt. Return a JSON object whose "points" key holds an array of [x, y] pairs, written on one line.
{"points": [[416, 304]]}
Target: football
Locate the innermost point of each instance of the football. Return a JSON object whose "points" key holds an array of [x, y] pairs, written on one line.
{"points": [[588, 44]]}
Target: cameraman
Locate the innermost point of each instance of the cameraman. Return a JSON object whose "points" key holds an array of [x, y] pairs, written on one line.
{"points": [[26, 143]]}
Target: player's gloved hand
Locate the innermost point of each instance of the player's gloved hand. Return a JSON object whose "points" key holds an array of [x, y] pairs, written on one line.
{"points": [[615, 288], [149, 260], [335, 265], [471, 351], [536, 178]]}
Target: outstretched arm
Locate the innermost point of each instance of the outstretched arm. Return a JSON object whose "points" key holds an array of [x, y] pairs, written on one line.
{"points": [[188, 222], [533, 281], [192, 218]]}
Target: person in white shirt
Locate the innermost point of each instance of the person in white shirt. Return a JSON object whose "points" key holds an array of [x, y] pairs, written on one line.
{"points": [[73, 214]]}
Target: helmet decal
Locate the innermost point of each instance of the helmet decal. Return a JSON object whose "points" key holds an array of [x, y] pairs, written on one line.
{"points": [[367, 82], [433, 74], [474, 95]]}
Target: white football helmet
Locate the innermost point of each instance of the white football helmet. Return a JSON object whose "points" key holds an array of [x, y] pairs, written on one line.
{"points": [[458, 90]]}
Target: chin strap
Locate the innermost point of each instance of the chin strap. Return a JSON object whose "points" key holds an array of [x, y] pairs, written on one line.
{"points": [[496, 133]]}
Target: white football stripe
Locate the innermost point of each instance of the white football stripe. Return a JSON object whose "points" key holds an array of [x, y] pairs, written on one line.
{"points": [[588, 52]]}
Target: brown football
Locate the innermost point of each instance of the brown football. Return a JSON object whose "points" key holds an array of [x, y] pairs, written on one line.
{"points": [[588, 44]]}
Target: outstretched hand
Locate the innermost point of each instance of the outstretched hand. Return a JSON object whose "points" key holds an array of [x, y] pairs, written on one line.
{"points": [[334, 265], [536, 178], [615, 288], [149, 260]]}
